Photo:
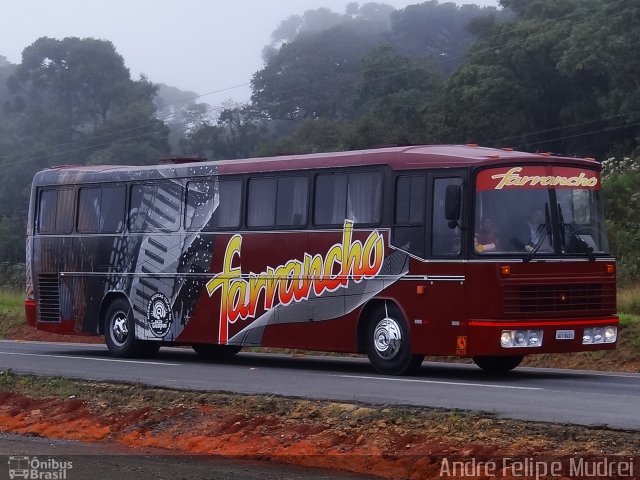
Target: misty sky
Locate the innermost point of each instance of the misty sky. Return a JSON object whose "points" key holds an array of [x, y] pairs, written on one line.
{"points": [[196, 45]]}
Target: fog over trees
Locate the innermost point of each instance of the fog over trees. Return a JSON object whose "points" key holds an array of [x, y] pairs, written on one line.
{"points": [[537, 75]]}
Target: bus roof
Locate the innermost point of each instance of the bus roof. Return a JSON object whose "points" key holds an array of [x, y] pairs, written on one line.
{"points": [[398, 158]]}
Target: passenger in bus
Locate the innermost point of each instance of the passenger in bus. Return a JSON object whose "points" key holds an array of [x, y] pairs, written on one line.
{"points": [[486, 239]]}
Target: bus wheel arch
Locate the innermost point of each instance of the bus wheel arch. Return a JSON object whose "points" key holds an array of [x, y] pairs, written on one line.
{"points": [[104, 305], [118, 326], [383, 334]]}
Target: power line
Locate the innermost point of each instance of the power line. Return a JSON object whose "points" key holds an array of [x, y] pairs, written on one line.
{"points": [[584, 134]]}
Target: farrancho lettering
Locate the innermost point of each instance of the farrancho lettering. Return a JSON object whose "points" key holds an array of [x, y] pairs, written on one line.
{"points": [[242, 294], [513, 179]]}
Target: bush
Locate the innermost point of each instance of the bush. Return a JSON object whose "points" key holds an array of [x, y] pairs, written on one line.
{"points": [[621, 180], [12, 276]]}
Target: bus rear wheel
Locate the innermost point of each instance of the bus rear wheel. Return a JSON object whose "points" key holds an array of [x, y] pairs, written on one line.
{"points": [[119, 331], [388, 343], [498, 364], [215, 352]]}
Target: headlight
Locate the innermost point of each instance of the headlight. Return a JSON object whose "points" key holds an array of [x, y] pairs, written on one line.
{"points": [[610, 334], [521, 338], [596, 335], [535, 338]]}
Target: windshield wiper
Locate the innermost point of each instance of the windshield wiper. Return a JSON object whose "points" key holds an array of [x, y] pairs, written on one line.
{"points": [[581, 243], [543, 227]]}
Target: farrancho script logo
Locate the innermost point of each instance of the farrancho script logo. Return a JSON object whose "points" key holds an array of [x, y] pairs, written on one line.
{"points": [[350, 260]]}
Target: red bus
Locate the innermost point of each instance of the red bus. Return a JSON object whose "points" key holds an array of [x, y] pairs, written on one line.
{"points": [[394, 252]]}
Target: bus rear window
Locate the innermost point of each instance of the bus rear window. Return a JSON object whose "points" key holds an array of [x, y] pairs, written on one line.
{"points": [[55, 211]]}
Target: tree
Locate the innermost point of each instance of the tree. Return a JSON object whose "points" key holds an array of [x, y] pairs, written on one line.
{"points": [[236, 135], [71, 101], [310, 136], [621, 178], [73, 82], [512, 91], [438, 31], [395, 91], [314, 76], [603, 48]]}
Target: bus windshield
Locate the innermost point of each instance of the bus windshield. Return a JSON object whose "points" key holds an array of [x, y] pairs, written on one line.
{"points": [[539, 211]]}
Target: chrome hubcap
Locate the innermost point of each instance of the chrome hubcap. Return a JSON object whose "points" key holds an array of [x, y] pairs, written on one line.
{"points": [[119, 329], [387, 338]]}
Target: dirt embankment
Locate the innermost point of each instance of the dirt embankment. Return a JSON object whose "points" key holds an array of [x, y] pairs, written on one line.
{"points": [[399, 443]]}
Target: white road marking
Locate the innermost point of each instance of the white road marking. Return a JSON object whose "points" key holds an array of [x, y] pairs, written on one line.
{"points": [[53, 344], [462, 384], [89, 358]]}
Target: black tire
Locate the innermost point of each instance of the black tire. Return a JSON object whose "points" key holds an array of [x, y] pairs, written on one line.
{"points": [[388, 342], [119, 330], [215, 352], [498, 364]]}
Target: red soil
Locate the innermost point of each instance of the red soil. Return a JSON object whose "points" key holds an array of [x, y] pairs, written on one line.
{"points": [[338, 436]]}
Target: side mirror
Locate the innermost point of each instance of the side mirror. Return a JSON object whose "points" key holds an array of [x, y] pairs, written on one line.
{"points": [[452, 203]]}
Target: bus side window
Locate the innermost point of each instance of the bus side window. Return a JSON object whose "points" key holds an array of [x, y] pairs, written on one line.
{"points": [[445, 241], [277, 202], [291, 202], [364, 195], [261, 206], [330, 199], [55, 211], [410, 198], [213, 204], [155, 207], [101, 209], [356, 196]]}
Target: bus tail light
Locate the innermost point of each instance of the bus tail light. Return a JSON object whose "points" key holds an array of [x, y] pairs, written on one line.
{"points": [[597, 335], [521, 338], [505, 270]]}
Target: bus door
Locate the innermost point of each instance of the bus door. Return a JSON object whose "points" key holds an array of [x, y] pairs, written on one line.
{"points": [[445, 268]]}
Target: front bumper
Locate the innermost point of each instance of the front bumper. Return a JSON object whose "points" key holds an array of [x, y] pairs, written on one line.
{"points": [[484, 336]]}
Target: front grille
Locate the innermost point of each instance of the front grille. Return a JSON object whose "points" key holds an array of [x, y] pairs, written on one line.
{"points": [[561, 300], [48, 298]]}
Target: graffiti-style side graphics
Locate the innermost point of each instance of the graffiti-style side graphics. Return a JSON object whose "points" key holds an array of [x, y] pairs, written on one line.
{"points": [[349, 260]]}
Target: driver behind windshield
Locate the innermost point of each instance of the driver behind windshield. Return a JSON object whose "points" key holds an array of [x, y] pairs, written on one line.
{"points": [[526, 235]]}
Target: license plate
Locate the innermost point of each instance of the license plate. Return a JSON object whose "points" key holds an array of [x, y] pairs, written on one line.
{"points": [[565, 334]]}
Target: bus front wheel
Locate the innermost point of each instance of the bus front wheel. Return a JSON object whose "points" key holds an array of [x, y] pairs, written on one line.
{"points": [[388, 345], [498, 364], [119, 331]]}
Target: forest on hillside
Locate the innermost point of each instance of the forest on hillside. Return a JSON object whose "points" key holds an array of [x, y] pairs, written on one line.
{"points": [[536, 75]]}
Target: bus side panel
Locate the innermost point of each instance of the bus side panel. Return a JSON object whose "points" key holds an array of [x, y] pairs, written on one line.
{"points": [[303, 294], [433, 301]]}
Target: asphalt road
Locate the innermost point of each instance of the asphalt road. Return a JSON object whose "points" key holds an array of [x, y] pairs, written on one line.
{"points": [[84, 461], [563, 396]]}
